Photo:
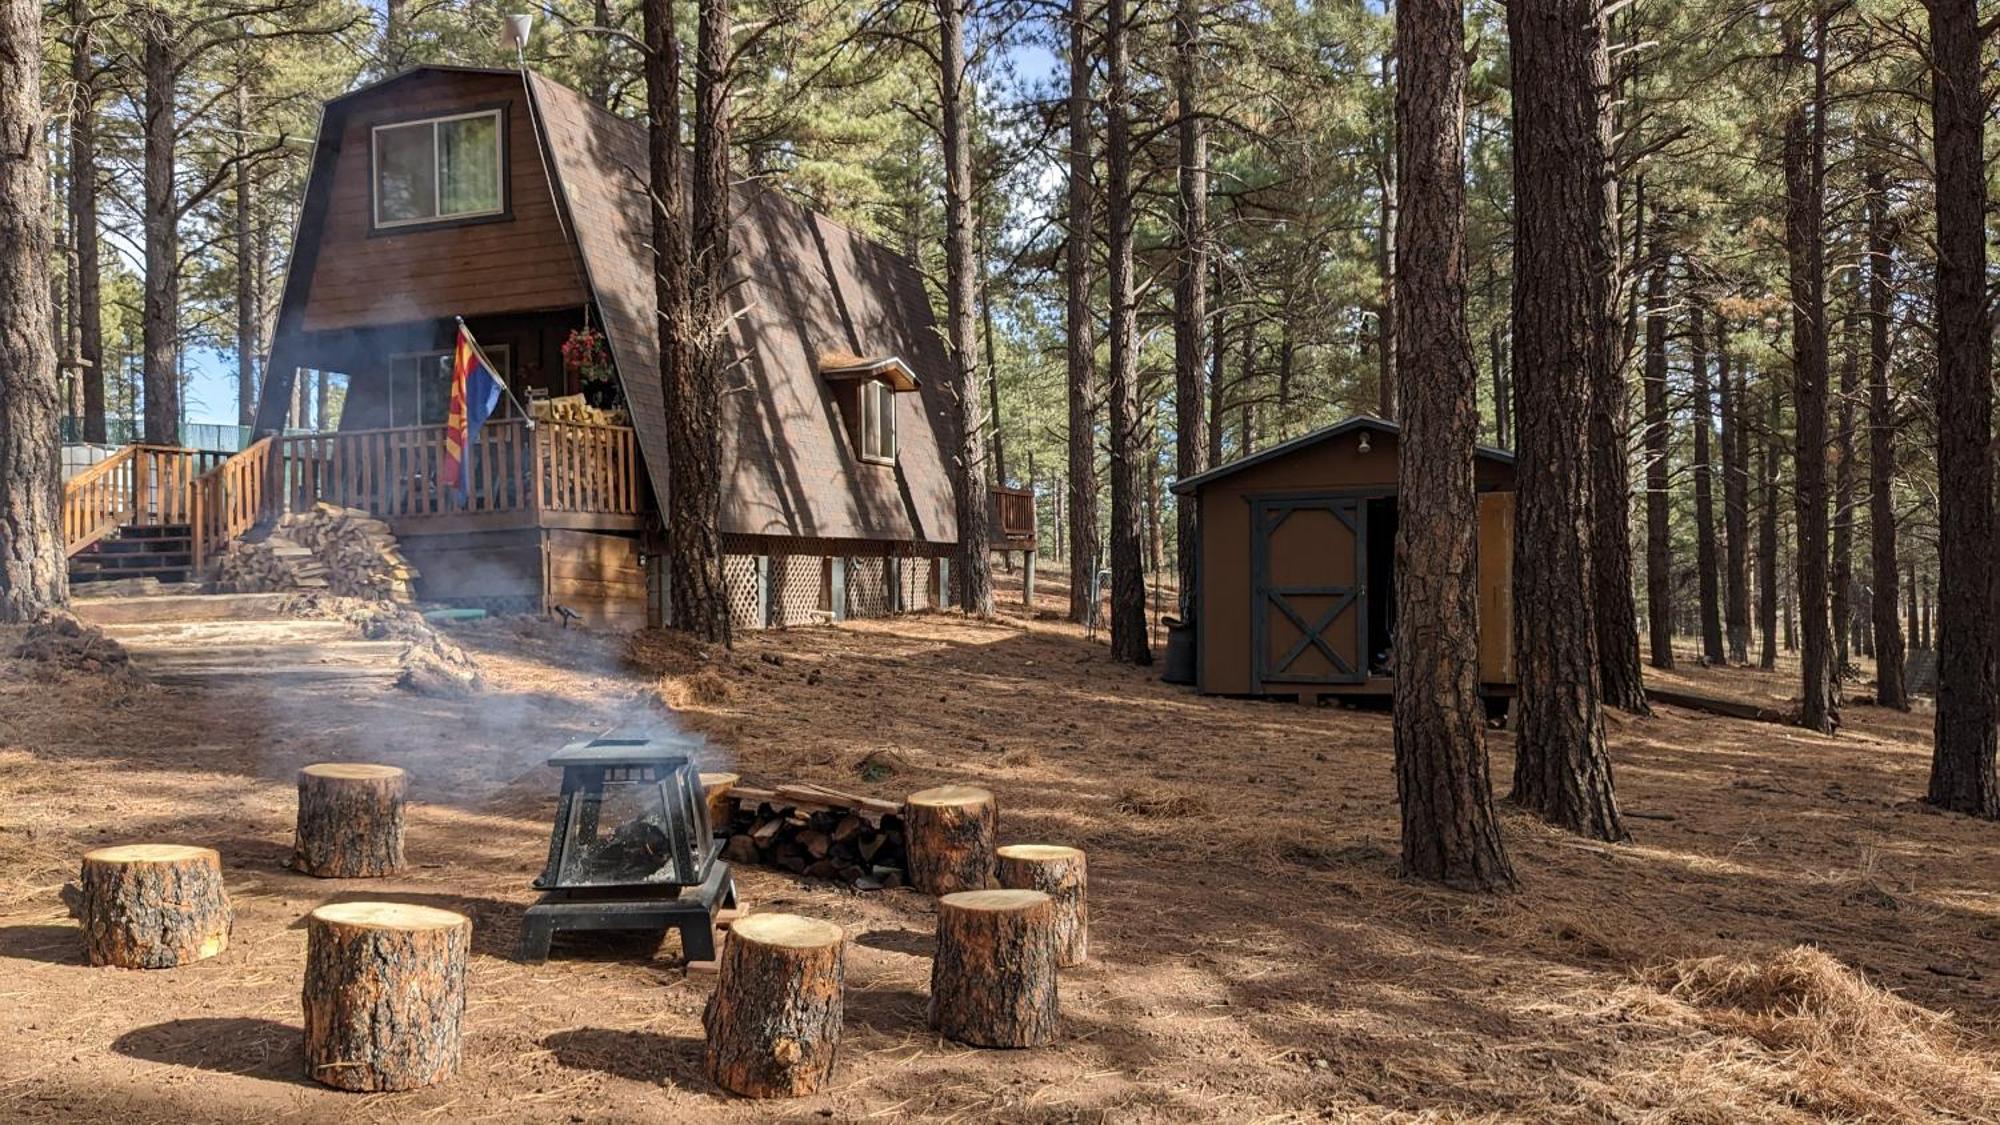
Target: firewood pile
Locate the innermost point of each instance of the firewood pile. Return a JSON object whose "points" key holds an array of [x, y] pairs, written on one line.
{"points": [[820, 833], [573, 409], [343, 551]]}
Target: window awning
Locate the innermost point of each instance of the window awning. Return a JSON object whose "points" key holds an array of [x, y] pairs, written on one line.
{"points": [[841, 366]]}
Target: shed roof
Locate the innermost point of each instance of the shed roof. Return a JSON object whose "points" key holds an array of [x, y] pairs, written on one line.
{"points": [[1307, 441]]}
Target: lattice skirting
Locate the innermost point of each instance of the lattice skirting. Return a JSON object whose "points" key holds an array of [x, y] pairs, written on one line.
{"points": [[784, 589], [739, 578]]}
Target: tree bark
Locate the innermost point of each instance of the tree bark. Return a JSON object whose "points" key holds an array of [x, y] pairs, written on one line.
{"points": [[1767, 533], [1080, 348], [1805, 241], [1735, 501], [88, 313], [33, 569], [1563, 257], [1190, 285], [1842, 577], [153, 906], [950, 834], [1062, 874], [384, 994], [1450, 833], [1621, 676], [993, 980], [1890, 690], [160, 313], [1710, 593], [350, 820], [1968, 698], [1659, 541], [773, 1022], [1129, 641], [1388, 220], [972, 564], [248, 263]]}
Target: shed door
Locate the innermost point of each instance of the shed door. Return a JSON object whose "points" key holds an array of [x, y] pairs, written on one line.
{"points": [[1308, 607]]}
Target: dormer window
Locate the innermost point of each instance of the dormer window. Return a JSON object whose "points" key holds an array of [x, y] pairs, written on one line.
{"points": [[866, 390], [439, 169]]}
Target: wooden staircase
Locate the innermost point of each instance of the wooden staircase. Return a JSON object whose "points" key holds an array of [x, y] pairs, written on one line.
{"points": [[161, 551]]}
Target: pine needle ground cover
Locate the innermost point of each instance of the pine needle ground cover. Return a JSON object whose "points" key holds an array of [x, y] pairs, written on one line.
{"points": [[1790, 937]]}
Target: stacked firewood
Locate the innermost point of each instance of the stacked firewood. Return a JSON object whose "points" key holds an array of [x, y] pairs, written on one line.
{"points": [[344, 551], [819, 833], [573, 409]]}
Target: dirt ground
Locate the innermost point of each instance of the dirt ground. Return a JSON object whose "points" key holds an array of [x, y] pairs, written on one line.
{"points": [[1790, 935]]}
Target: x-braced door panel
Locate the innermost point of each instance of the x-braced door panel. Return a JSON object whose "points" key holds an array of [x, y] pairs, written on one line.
{"points": [[1308, 599]]}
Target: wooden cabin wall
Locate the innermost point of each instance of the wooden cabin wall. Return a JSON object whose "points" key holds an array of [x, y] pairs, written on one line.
{"points": [[1496, 587], [519, 260], [597, 576], [500, 570]]}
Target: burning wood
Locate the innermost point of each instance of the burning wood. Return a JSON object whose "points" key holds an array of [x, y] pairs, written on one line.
{"points": [[821, 833]]}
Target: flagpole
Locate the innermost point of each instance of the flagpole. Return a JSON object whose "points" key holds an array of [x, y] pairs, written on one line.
{"points": [[504, 388]]}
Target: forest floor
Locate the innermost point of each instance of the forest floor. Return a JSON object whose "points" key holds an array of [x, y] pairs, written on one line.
{"points": [[1789, 936]]}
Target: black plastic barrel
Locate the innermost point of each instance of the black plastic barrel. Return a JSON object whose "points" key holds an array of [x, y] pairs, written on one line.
{"points": [[1179, 667]]}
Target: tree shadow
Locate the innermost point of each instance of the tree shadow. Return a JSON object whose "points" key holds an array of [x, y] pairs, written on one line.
{"points": [[913, 942], [237, 1045], [53, 945], [641, 1056]]}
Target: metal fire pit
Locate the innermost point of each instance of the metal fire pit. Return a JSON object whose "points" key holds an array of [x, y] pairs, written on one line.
{"points": [[631, 849]]}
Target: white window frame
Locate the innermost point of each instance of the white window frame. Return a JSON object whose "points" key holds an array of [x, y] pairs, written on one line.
{"points": [[878, 407], [499, 117]]}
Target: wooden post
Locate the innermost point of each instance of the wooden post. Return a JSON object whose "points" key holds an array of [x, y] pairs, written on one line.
{"points": [[774, 1019], [1028, 581], [993, 980], [153, 906], [1061, 873], [384, 993], [716, 787], [950, 834], [350, 822]]}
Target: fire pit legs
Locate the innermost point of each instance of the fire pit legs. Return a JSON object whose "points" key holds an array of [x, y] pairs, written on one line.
{"points": [[692, 912]]}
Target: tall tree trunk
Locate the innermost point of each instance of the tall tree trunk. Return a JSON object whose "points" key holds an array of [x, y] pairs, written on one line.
{"points": [[1503, 408], [1129, 642], [33, 574], [88, 310], [1735, 501], [1767, 532], [1621, 676], [1563, 260], [1805, 240], [1968, 699], [671, 284], [1190, 284], [998, 462], [1842, 578], [1080, 350], [160, 315], [248, 265], [1217, 352], [1450, 832], [1890, 690], [395, 35], [973, 562], [1704, 487], [1659, 543], [1388, 219]]}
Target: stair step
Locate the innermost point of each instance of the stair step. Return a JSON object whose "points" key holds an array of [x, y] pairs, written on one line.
{"points": [[149, 545], [85, 576], [172, 608], [155, 531]]}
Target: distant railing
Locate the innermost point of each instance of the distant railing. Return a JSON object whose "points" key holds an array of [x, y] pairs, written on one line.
{"points": [[1012, 512], [398, 473], [193, 435], [147, 485], [229, 499]]}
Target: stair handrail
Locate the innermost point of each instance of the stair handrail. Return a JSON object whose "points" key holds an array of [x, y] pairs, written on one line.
{"points": [[94, 502], [228, 500]]}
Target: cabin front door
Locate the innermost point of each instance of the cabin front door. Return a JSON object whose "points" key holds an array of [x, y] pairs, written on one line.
{"points": [[1308, 597]]}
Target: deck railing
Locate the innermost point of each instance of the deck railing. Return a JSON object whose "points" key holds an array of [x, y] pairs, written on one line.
{"points": [[147, 485], [229, 499], [1013, 512], [512, 467]]}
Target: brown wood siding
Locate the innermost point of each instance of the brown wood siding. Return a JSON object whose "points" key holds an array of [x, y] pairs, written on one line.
{"points": [[598, 577], [477, 565], [476, 268], [1335, 465]]}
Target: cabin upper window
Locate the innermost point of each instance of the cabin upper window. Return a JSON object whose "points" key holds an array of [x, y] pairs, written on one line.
{"points": [[878, 421], [439, 169]]}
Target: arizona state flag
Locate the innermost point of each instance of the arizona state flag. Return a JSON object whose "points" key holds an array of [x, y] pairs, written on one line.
{"points": [[475, 391]]}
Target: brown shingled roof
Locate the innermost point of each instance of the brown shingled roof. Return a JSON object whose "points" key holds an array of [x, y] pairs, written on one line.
{"points": [[806, 288]]}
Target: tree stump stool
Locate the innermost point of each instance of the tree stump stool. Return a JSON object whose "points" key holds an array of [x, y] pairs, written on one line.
{"points": [[949, 834], [350, 820], [993, 981], [773, 1020], [1061, 874], [152, 906], [384, 991], [716, 787]]}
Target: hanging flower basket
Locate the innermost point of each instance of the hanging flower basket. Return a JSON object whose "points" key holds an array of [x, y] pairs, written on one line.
{"points": [[587, 363]]}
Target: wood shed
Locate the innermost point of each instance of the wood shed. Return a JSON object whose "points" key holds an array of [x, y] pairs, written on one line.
{"points": [[1295, 566]]}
